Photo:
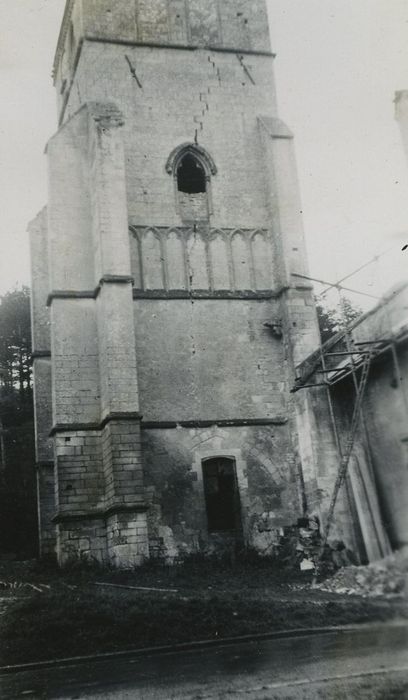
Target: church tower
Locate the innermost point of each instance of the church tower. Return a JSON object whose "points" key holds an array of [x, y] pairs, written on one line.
{"points": [[167, 310]]}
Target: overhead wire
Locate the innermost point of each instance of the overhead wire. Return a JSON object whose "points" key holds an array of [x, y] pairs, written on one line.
{"points": [[339, 284], [376, 258], [334, 285]]}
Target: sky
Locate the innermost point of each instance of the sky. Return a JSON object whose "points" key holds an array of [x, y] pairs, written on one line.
{"points": [[338, 65]]}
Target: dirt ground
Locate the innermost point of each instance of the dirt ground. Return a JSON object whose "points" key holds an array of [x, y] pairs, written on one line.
{"points": [[46, 613], [378, 687]]}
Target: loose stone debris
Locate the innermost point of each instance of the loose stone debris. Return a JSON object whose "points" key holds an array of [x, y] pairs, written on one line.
{"points": [[299, 548], [385, 578]]}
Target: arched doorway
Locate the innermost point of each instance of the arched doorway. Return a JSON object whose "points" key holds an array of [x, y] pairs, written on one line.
{"points": [[222, 496]]}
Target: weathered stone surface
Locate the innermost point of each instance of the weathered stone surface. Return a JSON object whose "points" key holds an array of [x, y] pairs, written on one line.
{"points": [[174, 479], [163, 303], [231, 24]]}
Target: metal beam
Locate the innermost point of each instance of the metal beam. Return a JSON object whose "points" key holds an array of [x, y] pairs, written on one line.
{"points": [[307, 386], [373, 342], [356, 352]]}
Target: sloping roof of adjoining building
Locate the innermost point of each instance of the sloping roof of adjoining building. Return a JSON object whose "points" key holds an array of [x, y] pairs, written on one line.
{"points": [[376, 330]]}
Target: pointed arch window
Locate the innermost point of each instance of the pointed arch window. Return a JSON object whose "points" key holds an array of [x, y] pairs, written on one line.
{"points": [[192, 168], [191, 177]]}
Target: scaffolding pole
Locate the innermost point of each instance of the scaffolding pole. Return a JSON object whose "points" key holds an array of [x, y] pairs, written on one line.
{"points": [[350, 497], [386, 550], [344, 462]]}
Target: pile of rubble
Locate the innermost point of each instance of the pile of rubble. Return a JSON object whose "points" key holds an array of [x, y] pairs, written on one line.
{"points": [[388, 577], [300, 547]]}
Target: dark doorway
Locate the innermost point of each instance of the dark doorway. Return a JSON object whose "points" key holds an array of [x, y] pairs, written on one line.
{"points": [[221, 495]]}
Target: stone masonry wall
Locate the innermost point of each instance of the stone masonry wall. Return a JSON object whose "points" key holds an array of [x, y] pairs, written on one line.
{"points": [[46, 509], [207, 359], [41, 346], [70, 245], [38, 232], [96, 426], [80, 484], [127, 539], [116, 350], [180, 321], [41, 336], [75, 353], [215, 90], [266, 477], [183, 258], [98, 472], [122, 464], [81, 540], [232, 24]]}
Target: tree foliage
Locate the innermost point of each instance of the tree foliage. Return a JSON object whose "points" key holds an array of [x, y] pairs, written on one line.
{"points": [[15, 351], [18, 518], [333, 319]]}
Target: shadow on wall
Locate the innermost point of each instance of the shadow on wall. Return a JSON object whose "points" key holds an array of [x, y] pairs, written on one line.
{"points": [[174, 517]]}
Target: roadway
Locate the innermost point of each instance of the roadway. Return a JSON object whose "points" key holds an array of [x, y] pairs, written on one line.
{"points": [[246, 669]]}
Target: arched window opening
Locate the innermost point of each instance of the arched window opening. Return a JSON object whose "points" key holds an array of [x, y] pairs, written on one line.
{"points": [[191, 178], [221, 495], [192, 167]]}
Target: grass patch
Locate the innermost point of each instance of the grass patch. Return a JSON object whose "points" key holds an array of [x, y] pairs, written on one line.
{"points": [[213, 600]]}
